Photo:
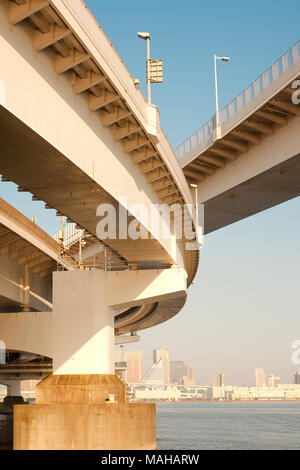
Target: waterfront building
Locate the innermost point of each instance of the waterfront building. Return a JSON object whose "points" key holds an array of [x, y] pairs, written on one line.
{"points": [[218, 380], [187, 381], [190, 372], [180, 373], [140, 392], [260, 377], [273, 381], [280, 392], [178, 370], [219, 393]]}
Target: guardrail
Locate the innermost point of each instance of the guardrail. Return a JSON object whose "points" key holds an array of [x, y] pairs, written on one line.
{"points": [[71, 235], [108, 266], [243, 99]]}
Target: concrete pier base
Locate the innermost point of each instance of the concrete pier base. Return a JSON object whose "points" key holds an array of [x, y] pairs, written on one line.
{"points": [[6, 421], [84, 412], [6, 430]]}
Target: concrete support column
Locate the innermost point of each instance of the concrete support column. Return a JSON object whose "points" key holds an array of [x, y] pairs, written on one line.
{"points": [[13, 388], [83, 324], [26, 295]]}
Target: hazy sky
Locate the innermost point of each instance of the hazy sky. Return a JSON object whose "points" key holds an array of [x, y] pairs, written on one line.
{"points": [[243, 310]]}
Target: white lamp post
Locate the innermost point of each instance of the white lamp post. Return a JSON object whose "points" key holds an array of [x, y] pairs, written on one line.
{"points": [[195, 187], [224, 59], [146, 37]]}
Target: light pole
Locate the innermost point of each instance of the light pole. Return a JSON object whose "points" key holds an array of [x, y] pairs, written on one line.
{"points": [[195, 187], [146, 37], [224, 59]]}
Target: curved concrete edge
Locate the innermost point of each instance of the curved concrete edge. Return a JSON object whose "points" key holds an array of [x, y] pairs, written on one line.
{"points": [[164, 311]]}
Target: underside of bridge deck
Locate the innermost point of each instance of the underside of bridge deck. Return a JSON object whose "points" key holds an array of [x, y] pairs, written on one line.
{"points": [[273, 187]]}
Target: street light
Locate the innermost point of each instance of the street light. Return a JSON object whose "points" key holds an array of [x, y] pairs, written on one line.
{"points": [[224, 59], [147, 37], [195, 187]]}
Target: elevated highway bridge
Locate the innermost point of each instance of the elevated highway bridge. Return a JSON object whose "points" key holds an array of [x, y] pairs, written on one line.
{"points": [[77, 133], [251, 162], [28, 256]]}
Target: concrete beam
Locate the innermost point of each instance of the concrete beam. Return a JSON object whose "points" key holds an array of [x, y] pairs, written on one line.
{"points": [[143, 154], [92, 79], [124, 339], [246, 136], [27, 331], [156, 175], [128, 129], [19, 12], [137, 142], [63, 64], [212, 160], [163, 183], [197, 175], [203, 168], [108, 119], [235, 145], [224, 153], [169, 191], [259, 126], [55, 34], [98, 102], [150, 165], [272, 117], [291, 108], [132, 288]]}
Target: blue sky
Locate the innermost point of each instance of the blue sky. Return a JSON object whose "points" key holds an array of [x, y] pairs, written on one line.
{"points": [[186, 35], [243, 310]]}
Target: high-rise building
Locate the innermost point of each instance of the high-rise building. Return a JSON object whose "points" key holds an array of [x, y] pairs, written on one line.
{"points": [[297, 378], [187, 381], [260, 377], [273, 381], [134, 360], [164, 355], [218, 380], [190, 372], [222, 380], [178, 370], [276, 381]]}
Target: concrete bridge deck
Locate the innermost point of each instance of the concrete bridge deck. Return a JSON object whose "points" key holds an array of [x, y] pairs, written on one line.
{"points": [[80, 78], [251, 162], [77, 133], [28, 256]]}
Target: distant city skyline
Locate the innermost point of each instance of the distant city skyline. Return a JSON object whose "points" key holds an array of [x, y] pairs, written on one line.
{"points": [[178, 370]]}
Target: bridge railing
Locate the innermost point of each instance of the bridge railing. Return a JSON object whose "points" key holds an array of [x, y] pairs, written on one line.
{"points": [[71, 235], [248, 94]]}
